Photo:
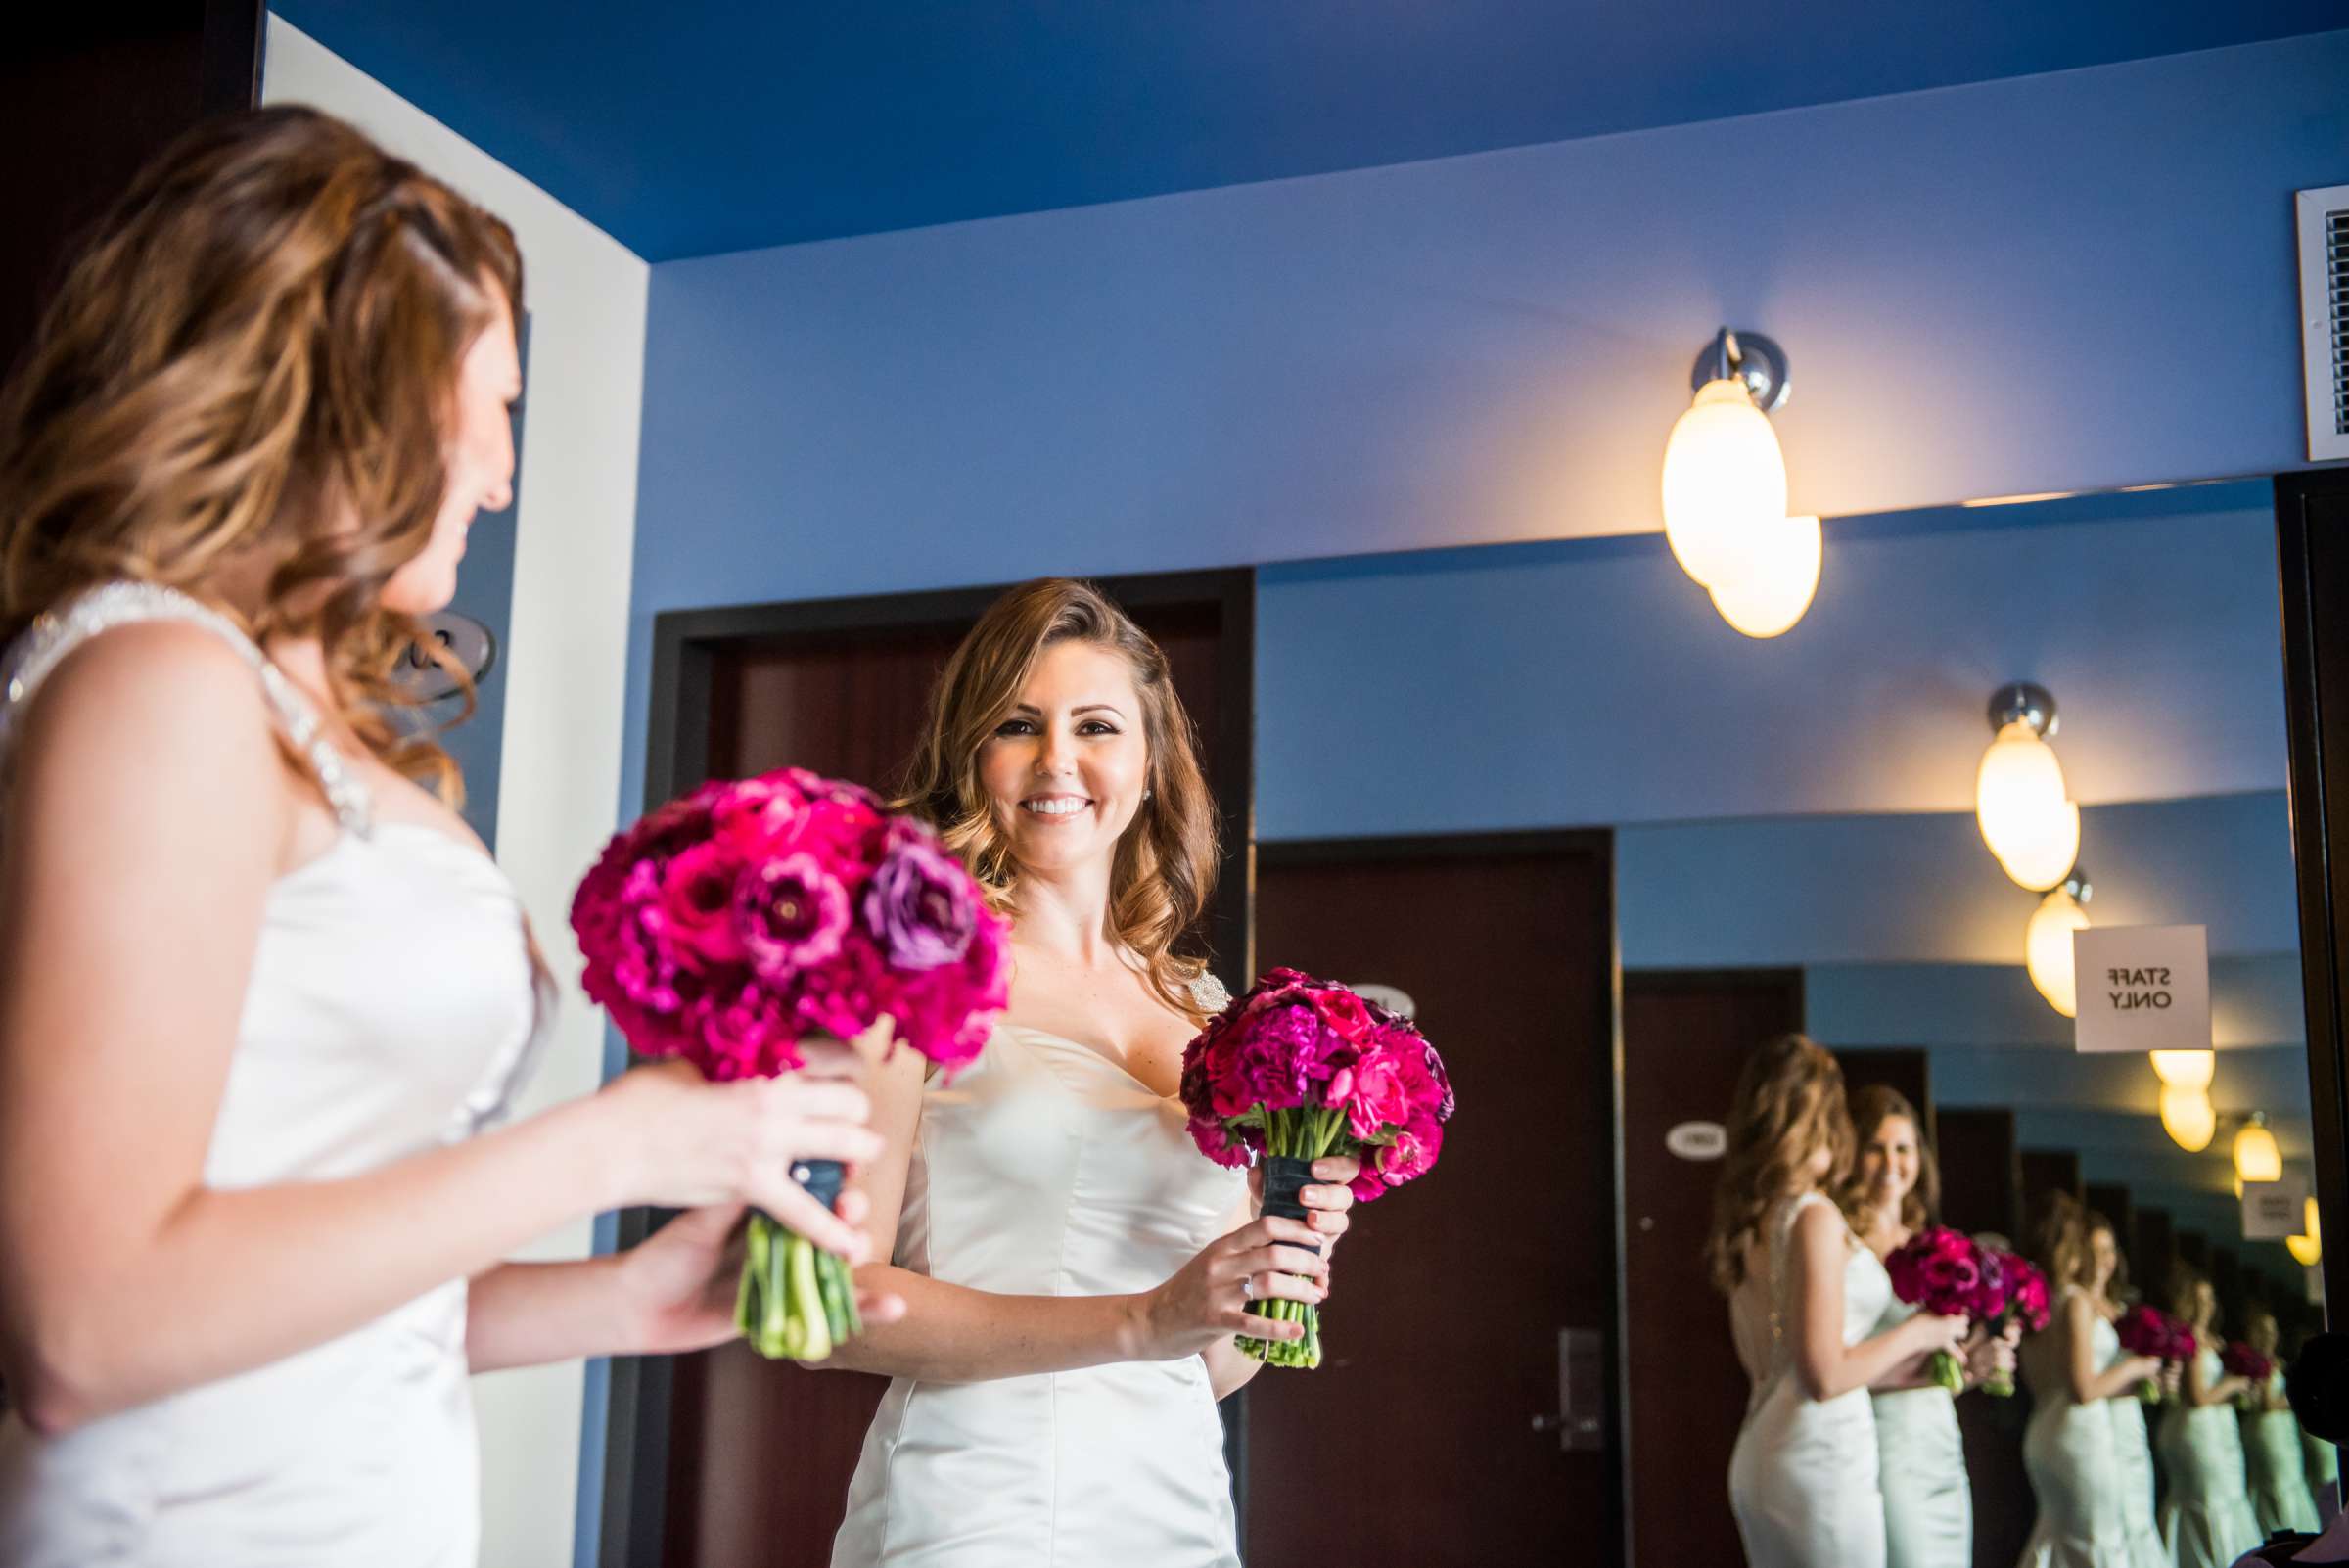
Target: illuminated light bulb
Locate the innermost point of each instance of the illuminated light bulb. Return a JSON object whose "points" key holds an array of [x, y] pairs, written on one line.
{"points": [[2188, 1118], [2256, 1156], [2020, 802], [2048, 946], [1771, 589], [1725, 482], [2185, 1069], [2307, 1247]]}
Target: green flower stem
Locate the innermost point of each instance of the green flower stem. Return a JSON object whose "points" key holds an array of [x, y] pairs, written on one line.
{"points": [[795, 1300]]}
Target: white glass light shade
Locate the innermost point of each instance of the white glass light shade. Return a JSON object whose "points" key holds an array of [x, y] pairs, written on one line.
{"points": [[1725, 478], [1771, 589], [2188, 1118], [2186, 1069], [2256, 1156], [2048, 949], [2020, 803]]}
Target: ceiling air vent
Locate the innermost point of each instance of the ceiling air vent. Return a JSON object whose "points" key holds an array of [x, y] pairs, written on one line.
{"points": [[2325, 318]]}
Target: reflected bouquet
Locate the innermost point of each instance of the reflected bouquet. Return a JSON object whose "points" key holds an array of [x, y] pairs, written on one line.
{"points": [[1297, 1069], [2013, 1293], [2256, 1368], [726, 927], [2150, 1331]]}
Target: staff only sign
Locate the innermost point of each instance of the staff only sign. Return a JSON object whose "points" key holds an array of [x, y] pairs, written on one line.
{"points": [[2143, 989]]}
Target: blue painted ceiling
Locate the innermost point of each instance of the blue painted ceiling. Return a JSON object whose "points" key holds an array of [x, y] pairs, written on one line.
{"points": [[693, 127]]}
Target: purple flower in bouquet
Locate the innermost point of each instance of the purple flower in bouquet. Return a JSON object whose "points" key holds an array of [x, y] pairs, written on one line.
{"points": [[921, 905]]}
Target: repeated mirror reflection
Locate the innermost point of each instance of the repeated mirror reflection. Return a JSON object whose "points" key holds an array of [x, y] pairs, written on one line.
{"points": [[1798, 850]]}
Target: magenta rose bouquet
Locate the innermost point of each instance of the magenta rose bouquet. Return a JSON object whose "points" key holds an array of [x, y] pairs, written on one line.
{"points": [[1947, 1274], [2150, 1331], [1299, 1069], [726, 927]]}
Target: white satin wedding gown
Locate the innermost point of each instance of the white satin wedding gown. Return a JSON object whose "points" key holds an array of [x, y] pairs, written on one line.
{"points": [[394, 1004], [1804, 1477], [1048, 1170]]}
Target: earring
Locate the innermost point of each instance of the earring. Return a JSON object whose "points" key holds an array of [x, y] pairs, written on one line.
{"points": [[1146, 794]]}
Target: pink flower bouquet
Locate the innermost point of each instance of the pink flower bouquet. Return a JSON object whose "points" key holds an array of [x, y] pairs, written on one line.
{"points": [[2013, 1292], [1945, 1273], [2150, 1331], [1297, 1069], [726, 927]]}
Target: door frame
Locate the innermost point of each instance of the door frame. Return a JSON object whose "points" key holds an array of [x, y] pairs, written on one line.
{"points": [[1618, 1546], [687, 645], [2313, 568]]}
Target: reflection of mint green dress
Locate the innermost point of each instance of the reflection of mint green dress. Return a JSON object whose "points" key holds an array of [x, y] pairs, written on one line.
{"points": [[2206, 1519], [1928, 1504], [2132, 1456], [2068, 1453], [2280, 1496]]}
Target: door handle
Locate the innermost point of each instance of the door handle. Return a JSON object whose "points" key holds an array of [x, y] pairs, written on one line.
{"points": [[1582, 1393]]}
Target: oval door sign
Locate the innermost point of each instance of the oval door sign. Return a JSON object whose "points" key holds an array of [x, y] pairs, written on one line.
{"points": [[1394, 1000], [472, 644], [1699, 1140]]}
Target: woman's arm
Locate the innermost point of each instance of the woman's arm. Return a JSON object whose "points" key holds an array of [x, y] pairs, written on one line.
{"points": [[953, 1334], [148, 818], [1824, 1366], [2080, 1358], [670, 1293], [2200, 1394]]}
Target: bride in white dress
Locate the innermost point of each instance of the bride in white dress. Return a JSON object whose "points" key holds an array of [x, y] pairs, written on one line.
{"points": [[1075, 1269], [1805, 1295], [261, 997]]}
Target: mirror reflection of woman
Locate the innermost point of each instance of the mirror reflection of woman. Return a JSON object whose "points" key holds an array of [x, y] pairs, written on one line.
{"points": [[1806, 1298], [2206, 1518], [1928, 1501], [1075, 1270], [2084, 1396], [2272, 1450]]}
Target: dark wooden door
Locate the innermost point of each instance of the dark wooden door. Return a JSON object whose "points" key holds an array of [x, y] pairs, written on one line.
{"points": [[1981, 1172], [1416, 1441], [88, 94], [1906, 1070], [725, 1459], [1686, 1035]]}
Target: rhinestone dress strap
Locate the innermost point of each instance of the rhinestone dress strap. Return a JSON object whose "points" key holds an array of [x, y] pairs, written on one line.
{"points": [[55, 634]]}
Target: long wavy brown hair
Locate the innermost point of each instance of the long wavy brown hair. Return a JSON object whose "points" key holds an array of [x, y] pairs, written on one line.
{"points": [[253, 366], [2066, 1242], [1166, 863], [1873, 1106], [1790, 1103]]}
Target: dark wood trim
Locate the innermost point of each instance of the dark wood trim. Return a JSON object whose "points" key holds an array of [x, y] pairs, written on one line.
{"points": [[686, 646], [2312, 547], [1615, 1544], [233, 35]]}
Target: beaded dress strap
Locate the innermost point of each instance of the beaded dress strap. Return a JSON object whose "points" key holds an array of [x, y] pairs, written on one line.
{"points": [[55, 634]]}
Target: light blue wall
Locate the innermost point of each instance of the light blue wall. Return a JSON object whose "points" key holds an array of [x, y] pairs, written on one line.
{"points": [[1591, 682], [2056, 283]]}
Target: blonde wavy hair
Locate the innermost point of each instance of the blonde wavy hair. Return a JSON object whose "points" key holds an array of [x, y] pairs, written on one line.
{"points": [[1791, 1102], [1871, 1107], [1166, 861], [253, 365]]}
